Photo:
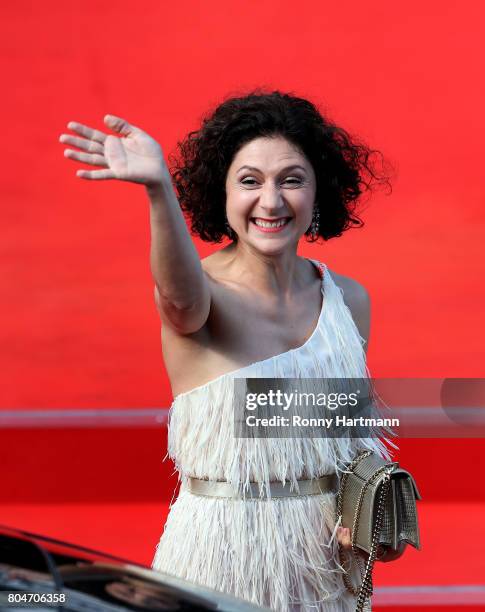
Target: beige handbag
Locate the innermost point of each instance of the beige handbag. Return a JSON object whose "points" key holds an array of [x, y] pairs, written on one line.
{"points": [[377, 500]]}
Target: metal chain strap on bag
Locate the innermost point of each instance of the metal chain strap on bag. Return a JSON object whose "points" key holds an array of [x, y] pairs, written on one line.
{"points": [[377, 500]]}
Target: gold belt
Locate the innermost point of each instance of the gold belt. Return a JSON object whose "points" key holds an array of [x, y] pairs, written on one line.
{"points": [[215, 488]]}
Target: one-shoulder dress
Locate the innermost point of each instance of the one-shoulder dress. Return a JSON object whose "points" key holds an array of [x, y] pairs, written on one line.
{"points": [[280, 553]]}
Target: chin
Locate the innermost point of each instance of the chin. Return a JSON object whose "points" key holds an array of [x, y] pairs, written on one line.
{"points": [[272, 246]]}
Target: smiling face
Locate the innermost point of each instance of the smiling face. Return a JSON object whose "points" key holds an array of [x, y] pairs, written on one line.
{"points": [[270, 194]]}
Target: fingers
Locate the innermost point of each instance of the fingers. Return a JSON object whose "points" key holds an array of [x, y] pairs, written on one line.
{"points": [[92, 141], [87, 132], [96, 175], [82, 143], [117, 124], [343, 536], [87, 158]]}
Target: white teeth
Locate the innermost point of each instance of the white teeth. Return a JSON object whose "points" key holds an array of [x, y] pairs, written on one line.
{"points": [[273, 224]]}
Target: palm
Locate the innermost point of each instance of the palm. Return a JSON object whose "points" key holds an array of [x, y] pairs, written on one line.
{"points": [[132, 155], [136, 157]]}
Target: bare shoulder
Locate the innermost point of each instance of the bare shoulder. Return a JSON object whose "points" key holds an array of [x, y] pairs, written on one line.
{"points": [[356, 297]]}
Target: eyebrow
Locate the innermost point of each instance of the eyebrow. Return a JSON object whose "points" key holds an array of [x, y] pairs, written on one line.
{"points": [[254, 169]]}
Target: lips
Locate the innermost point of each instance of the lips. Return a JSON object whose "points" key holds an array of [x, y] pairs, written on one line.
{"points": [[272, 225]]}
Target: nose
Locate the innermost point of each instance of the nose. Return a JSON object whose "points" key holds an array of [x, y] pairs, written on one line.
{"points": [[271, 199]]}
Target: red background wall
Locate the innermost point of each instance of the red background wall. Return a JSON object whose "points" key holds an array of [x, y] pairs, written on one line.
{"points": [[79, 327]]}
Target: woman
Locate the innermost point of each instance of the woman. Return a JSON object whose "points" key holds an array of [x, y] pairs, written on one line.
{"points": [[264, 170]]}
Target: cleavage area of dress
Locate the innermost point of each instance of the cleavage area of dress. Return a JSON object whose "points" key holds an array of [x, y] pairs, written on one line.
{"points": [[279, 553]]}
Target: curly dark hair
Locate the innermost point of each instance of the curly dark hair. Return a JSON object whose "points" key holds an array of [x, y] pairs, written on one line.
{"points": [[344, 166]]}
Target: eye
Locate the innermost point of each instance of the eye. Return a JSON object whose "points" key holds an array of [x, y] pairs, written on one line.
{"points": [[293, 181]]}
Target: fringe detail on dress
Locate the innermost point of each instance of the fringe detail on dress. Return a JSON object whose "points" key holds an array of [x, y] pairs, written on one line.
{"points": [[280, 553]]}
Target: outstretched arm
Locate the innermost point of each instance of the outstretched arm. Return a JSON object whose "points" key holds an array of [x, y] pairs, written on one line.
{"points": [[181, 289]]}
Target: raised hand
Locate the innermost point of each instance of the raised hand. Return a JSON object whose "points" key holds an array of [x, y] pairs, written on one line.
{"points": [[132, 155]]}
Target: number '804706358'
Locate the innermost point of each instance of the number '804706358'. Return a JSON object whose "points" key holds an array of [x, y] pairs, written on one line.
{"points": [[36, 597]]}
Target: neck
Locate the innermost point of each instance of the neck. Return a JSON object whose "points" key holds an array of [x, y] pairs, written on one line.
{"points": [[279, 273]]}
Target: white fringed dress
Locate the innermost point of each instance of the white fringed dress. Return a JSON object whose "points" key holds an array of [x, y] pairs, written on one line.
{"points": [[280, 553]]}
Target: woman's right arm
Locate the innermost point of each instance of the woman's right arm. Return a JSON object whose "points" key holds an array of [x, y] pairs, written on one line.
{"points": [[181, 288], [182, 291]]}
